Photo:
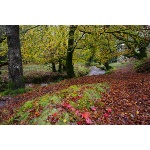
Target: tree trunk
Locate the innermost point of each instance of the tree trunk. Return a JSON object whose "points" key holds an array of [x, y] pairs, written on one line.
{"points": [[60, 66], [64, 67], [107, 66], [53, 67], [70, 50], [14, 58]]}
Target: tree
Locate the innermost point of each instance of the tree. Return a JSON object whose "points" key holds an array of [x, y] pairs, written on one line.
{"points": [[70, 50], [45, 44], [14, 57]]}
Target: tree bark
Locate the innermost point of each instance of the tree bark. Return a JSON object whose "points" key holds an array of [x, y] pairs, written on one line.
{"points": [[107, 66], [53, 67], [60, 66], [70, 50], [64, 67], [15, 68]]}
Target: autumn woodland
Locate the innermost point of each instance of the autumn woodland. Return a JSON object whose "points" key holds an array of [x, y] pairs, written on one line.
{"points": [[75, 75]]}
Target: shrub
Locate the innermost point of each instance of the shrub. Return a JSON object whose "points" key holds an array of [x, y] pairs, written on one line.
{"points": [[81, 70], [142, 65]]}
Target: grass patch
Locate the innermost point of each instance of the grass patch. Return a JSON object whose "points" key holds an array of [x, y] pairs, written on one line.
{"points": [[9, 92], [81, 70]]}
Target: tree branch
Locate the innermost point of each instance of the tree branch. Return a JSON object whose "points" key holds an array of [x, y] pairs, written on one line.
{"points": [[76, 42], [29, 29], [2, 39]]}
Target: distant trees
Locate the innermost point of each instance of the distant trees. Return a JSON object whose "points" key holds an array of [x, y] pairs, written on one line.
{"points": [[15, 69]]}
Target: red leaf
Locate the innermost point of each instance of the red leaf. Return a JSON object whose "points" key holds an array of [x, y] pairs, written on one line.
{"points": [[109, 110], [77, 112], [106, 115], [79, 123], [85, 115], [88, 121], [73, 109], [93, 108], [55, 114], [67, 105]]}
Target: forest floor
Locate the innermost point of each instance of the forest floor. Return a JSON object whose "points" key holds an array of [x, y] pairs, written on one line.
{"points": [[119, 98]]}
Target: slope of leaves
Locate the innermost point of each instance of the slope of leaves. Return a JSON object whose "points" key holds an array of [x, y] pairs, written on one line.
{"points": [[126, 101]]}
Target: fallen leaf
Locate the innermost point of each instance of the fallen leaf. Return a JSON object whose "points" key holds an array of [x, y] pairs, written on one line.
{"points": [[93, 108], [109, 110], [88, 121], [55, 114], [37, 114], [67, 105], [79, 123], [77, 112], [85, 115], [73, 109], [106, 115], [137, 112]]}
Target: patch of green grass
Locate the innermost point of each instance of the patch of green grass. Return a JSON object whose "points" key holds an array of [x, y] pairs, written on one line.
{"points": [[81, 70], [118, 64], [111, 70], [27, 105], [36, 68], [9, 92]]}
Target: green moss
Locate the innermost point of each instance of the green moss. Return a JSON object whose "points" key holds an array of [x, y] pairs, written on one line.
{"points": [[78, 96], [47, 99], [65, 119], [27, 105], [90, 93], [42, 118]]}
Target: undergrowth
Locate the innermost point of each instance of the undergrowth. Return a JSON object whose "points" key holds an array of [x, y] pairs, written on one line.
{"points": [[142, 65], [9, 92]]}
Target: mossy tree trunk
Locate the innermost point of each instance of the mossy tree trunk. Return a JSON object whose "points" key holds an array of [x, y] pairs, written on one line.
{"points": [[15, 68], [70, 50]]}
